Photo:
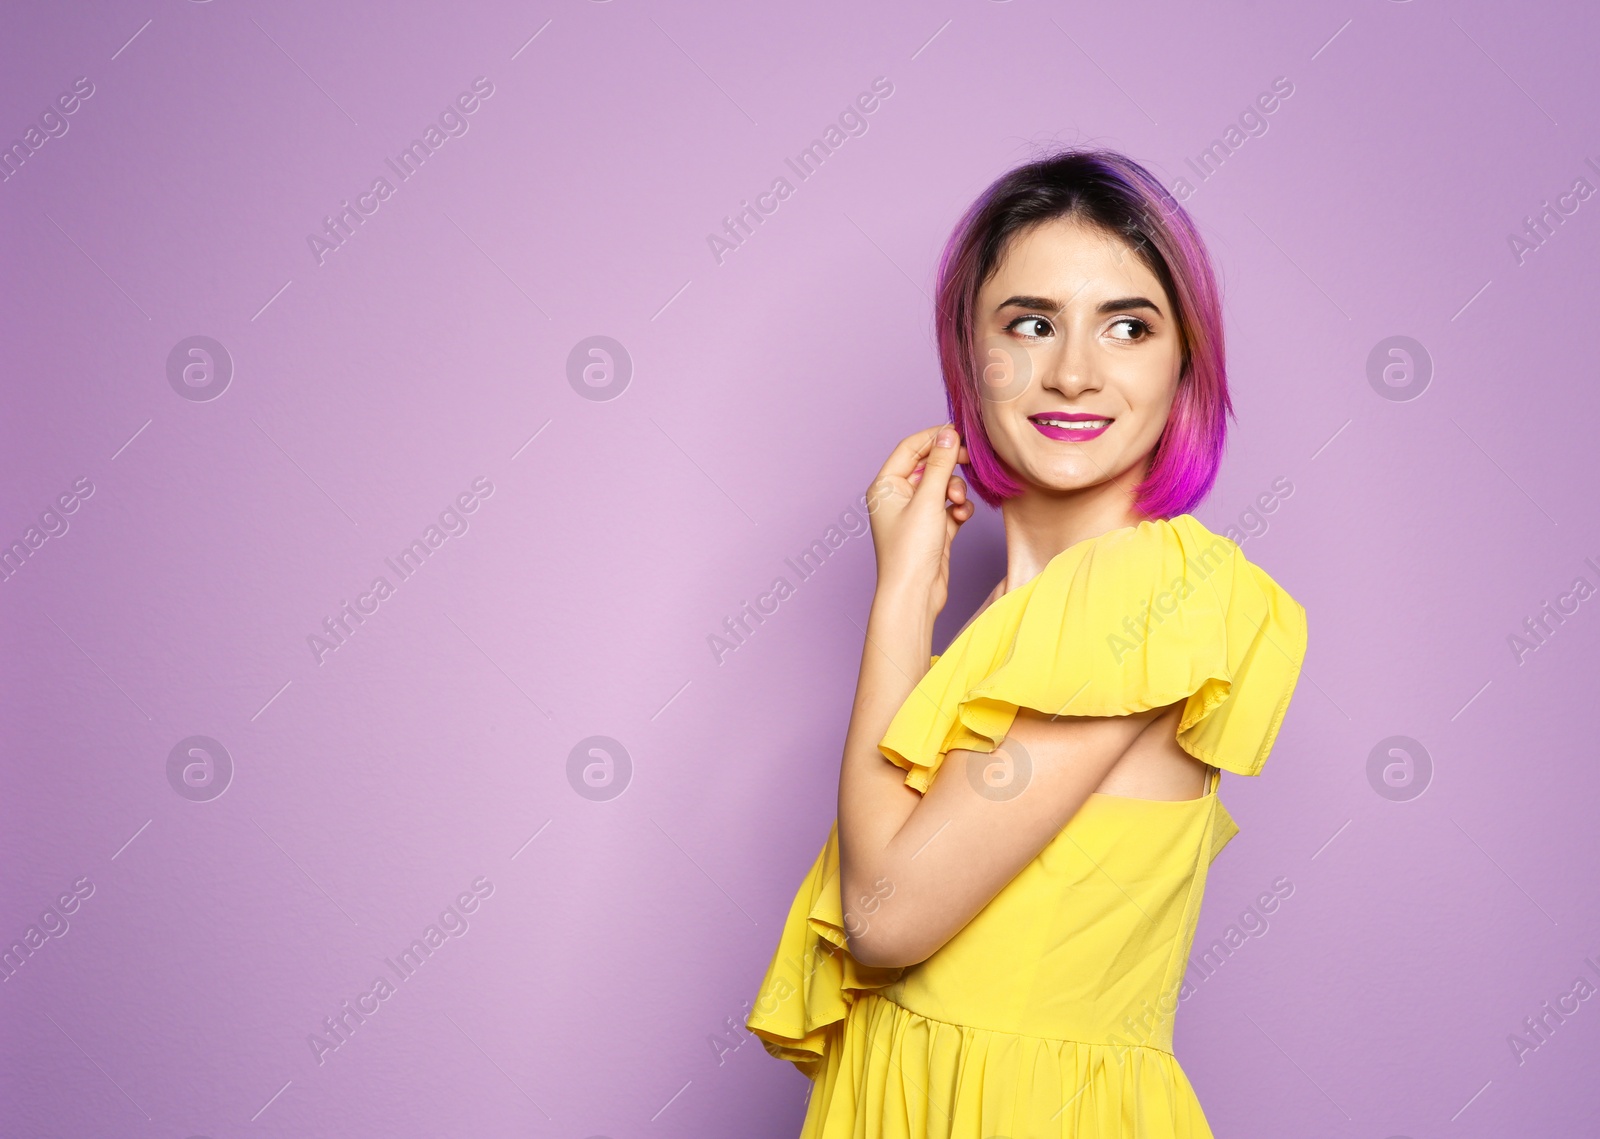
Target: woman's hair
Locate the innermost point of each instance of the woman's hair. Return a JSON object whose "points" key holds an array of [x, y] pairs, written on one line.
{"points": [[1111, 192]]}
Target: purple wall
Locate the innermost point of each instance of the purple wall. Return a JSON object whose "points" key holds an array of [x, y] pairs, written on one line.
{"points": [[433, 360]]}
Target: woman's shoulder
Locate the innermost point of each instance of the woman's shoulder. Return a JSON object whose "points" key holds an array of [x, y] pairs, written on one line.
{"points": [[1166, 574], [1152, 552], [1136, 618]]}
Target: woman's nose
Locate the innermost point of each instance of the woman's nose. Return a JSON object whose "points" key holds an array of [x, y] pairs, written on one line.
{"points": [[1070, 371]]}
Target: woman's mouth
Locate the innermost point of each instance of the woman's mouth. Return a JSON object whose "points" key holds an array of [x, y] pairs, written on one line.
{"points": [[1072, 427]]}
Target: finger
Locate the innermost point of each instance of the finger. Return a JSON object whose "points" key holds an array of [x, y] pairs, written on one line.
{"points": [[908, 453], [953, 519], [915, 476], [922, 465], [957, 490], [941, 461]]}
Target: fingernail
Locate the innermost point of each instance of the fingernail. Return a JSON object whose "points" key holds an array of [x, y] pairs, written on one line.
{"points": [[947, 438]]}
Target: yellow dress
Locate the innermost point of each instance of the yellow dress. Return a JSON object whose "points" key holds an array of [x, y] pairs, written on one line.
{"points": [[1051, 1012]]}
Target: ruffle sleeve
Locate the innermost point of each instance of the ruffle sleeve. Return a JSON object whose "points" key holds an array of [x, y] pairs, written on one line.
{"points": [[1134, 619], [813, 979]]}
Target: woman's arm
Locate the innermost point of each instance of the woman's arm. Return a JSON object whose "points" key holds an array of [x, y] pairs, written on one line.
{"points": [[919, 867], [914, 869]]}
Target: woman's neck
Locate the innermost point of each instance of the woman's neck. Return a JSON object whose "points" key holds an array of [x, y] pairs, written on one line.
{"points": [[1040, 524]]}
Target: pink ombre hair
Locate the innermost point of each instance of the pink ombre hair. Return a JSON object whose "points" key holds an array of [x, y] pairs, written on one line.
{"points": [[1112, 192]]}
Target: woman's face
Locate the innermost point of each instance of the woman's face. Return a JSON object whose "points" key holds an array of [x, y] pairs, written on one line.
{"points": [[1080, 355]]}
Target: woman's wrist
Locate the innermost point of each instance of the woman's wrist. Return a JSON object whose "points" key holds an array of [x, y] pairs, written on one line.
{"points": [[902, 618], [904, 588]]}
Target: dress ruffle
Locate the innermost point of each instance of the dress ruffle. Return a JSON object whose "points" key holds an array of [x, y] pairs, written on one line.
{"points": [[1134, 619], [813, 979]]}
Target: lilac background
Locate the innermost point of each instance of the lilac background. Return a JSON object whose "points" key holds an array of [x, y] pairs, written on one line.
{"points": [[591, 989]]}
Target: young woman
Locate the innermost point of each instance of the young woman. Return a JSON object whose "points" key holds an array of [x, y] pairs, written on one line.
{"points": [[994, 938]]}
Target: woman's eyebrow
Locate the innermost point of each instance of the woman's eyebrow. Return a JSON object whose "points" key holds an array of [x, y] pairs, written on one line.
{"points": [[1048, 305], [1030, 302], [1128, 302]]}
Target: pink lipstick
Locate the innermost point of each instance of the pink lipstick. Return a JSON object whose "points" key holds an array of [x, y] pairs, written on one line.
{"points": [[1070, 426]]}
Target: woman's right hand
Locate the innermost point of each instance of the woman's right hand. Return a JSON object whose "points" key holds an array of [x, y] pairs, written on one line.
{"points": [[912, 525]]}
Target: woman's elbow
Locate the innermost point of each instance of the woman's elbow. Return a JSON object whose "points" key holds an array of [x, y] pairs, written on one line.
{"points": [[886, 927], [882, 947], [876, 953], [874, 947]]}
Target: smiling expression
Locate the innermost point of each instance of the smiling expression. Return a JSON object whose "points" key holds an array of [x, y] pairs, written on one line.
{"points": [[1080, 354]]}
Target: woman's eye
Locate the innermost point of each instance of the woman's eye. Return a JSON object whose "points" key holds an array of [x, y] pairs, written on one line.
{"points": [[1033, 327], [1139, 327]]}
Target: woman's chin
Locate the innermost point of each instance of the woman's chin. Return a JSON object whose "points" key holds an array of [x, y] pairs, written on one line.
{"points": [[1061, 475], [1054, 485]]}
